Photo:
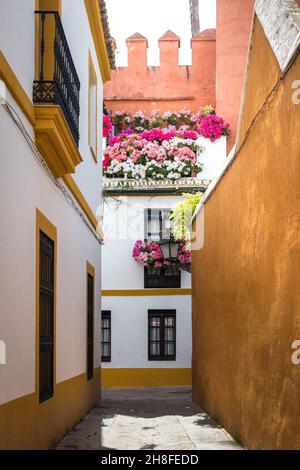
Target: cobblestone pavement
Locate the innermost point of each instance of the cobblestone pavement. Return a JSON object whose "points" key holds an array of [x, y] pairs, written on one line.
{"points": [[158, 419]]}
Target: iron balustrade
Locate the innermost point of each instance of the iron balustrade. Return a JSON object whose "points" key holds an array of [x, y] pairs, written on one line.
{"points": [[57, 82]]}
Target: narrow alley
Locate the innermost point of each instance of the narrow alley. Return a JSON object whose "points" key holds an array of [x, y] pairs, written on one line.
{"points": [[147, 419], [150, 231]]}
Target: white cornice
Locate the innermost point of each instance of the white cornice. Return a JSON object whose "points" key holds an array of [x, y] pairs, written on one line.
{"points": [[182, 183]]}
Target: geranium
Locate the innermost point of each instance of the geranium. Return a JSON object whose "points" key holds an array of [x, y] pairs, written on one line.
{"points": [[149, 254], [205, 123], [213, 127], [107, 125], [184, 253], [140, 122], [157, 154]]}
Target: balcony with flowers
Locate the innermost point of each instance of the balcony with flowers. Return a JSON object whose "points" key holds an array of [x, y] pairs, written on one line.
{"points": [[172, 154]]}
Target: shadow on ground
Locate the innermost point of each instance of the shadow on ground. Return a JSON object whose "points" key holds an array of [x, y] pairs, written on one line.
{"points": [[160, 419]]}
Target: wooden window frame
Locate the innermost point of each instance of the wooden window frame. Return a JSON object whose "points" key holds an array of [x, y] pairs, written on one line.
{"points": [[44, 226], [147, 221], [91, 69], [162, 313], [90, 342], [106, 314]]}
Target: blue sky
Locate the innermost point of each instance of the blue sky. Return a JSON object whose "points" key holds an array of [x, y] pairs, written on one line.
{"points": [[152, 18]]}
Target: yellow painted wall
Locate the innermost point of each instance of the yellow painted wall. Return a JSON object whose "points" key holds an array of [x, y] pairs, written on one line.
{"points": [[246, 279], [26, 424]]}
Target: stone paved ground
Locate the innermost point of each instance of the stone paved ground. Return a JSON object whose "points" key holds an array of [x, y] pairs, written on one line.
{"points": [[159, 419]]}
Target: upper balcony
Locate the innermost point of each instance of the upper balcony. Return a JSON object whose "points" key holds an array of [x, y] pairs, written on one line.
{"points": [[56, 90], [170, 152]]}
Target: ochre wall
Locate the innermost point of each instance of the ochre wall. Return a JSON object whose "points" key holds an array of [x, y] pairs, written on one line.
{"points": [[169, 86], [246, 279], [27, 424], [234, 19]]}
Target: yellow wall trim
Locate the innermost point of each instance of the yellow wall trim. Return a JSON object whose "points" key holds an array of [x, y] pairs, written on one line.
{"points": [[24, 424], [69, 181], [145, 292], [16, 89], [93, 13], [148, 377], [53, 5], [55, 141]]}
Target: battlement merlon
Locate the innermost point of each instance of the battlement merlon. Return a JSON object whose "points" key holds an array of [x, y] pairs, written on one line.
{"points": [[137, 46], [169, 44]]}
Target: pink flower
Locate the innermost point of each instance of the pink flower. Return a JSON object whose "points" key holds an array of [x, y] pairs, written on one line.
{"points": [[213, 127], [107, 125]]}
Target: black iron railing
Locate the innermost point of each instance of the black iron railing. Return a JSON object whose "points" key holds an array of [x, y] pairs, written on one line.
{"points": [[57, 82]]}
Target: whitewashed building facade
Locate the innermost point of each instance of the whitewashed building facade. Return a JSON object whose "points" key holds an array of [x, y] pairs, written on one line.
{"points": [[146, 319], [53, 63]]}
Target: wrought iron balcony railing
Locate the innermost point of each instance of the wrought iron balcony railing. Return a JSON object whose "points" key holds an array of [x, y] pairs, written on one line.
{"points": [[57, 81]]}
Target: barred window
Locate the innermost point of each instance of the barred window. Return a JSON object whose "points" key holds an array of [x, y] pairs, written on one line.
{"points": [[106, 336], [157, 228], [46, 318], [90, 326]]}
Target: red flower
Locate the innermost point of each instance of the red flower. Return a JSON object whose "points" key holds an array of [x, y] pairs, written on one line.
{"points": [[106, 162], [107, 125]]}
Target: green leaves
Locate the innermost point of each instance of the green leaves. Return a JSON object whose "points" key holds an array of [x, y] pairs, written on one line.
{"points": [[182, 215]]}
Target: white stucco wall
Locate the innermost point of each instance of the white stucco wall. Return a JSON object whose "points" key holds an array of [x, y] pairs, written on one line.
{"points": [[17, 43], [212, 157], [129, 330], [80, 40], [123, 225], [17, 39], [23, 188]]}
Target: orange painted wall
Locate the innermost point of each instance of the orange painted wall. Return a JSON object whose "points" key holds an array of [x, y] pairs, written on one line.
{"points": [[215, 76], [169, 86], [234, 19], [246, 279]]}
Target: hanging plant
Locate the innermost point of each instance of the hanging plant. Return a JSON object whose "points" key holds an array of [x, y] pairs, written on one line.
{"points": [[182, 214], [149, 254]]}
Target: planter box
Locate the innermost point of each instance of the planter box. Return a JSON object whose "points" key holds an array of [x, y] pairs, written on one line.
{"points": [[213, 157]]}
